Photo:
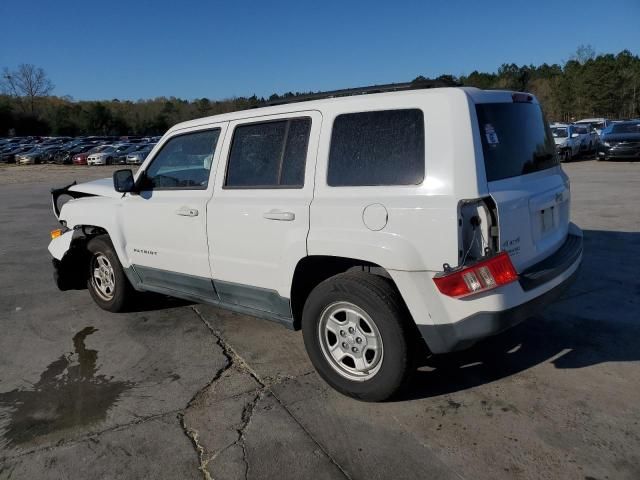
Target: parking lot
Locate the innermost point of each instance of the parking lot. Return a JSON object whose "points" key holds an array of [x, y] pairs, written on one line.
{"points": [[179, 390]]}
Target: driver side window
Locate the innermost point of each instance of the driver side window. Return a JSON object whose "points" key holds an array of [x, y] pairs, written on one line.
{"points": [[184, 163]]}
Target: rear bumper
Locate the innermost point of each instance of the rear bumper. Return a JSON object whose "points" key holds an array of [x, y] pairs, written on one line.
{"points": [[552, 266], [466, 332], [449, 324]]}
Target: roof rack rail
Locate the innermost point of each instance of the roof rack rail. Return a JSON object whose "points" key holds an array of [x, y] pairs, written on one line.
{"points": [[348, 92]]}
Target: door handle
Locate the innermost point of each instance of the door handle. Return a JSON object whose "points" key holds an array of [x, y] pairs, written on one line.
{"points": [[187, 212], [278, 215]]}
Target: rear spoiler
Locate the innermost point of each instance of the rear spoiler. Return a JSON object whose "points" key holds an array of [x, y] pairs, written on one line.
{"points": [[56, 193]]}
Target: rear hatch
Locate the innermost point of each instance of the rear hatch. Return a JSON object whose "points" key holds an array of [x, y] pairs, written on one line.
{"points": [[524, 178]]}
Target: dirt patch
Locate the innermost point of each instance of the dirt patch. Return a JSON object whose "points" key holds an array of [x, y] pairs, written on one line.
{"points": [[55, 175]]}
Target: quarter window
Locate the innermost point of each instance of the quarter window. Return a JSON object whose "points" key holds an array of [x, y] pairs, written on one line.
{"points": [[269, 155], [377, 148], [183, 163]]}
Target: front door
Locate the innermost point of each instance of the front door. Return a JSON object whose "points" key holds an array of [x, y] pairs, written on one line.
{"points": [[165, 225], [258, 219]]}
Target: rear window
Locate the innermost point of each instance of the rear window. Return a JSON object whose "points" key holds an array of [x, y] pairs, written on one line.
{"points": [[516, 139], [377, 148]]}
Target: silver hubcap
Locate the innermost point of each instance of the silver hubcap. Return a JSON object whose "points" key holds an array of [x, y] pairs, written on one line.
{"points": [[103, 277], [350, 341]]}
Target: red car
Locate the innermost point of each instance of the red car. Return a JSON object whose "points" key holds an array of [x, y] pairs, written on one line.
{"points": [[80, 158]]}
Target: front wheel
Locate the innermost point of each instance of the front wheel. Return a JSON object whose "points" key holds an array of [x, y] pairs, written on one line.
{"points": [[106, 280], [356, 332]]}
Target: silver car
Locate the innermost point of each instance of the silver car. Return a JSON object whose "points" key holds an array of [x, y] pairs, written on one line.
{"points": [[136, 158]]}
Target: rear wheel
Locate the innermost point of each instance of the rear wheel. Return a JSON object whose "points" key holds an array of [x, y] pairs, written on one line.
{"points": [[106, 281], [356, 332]]}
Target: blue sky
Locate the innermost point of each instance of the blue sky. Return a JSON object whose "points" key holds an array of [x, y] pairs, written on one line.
{"points": [[193, 49]]}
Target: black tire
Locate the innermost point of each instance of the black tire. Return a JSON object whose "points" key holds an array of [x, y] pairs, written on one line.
{"points": [[380, 300], [122, 291]]}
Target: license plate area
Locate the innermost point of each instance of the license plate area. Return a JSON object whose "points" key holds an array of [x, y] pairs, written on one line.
{"points": [[548, 220], [549, 214]]}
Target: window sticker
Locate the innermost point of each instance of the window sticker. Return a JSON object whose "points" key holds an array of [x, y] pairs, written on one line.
{"points": [[490, 134]]}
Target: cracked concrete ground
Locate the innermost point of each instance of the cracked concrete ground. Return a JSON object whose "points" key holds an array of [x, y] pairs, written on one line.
{"points": [[177, 390]]}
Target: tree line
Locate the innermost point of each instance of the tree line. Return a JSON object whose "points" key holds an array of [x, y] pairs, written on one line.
{"points": [[587, 85]]}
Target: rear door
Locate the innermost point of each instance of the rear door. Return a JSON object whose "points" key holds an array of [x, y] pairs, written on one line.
{"points": [[524, 178], [258, 218]]}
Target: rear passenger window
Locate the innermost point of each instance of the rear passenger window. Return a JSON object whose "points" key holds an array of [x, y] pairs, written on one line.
{"points": [[377, 148], [269, 155]]}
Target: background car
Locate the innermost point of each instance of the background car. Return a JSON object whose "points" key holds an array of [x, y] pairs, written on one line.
{"points": [[567, 140], [49, 152], [137, 158], [589, 138], [102, 155], [598, 123], [65, 157], [30, 157], [121, 157], [621, 141], [9, 156], [81, 158]]}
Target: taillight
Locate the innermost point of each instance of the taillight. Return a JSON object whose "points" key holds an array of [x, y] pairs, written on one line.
{"points": [[480, 277]]}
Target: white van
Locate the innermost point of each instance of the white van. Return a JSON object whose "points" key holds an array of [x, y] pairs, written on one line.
{"points": [[376, 222]]}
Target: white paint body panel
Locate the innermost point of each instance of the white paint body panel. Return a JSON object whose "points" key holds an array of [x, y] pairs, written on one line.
{"points": [[102, 187], [244, 246]]}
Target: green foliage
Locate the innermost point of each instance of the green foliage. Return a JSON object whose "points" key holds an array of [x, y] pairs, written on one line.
{"points": [[586, 85]]}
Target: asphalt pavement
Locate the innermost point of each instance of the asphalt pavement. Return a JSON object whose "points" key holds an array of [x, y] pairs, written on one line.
{"points": [[181, 390]]}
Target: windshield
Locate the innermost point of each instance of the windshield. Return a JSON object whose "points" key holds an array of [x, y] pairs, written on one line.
{"points": [[516, 139], [559, 132]]}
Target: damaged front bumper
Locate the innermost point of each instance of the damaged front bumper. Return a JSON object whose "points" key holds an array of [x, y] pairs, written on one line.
{"points": [[69, 262]]}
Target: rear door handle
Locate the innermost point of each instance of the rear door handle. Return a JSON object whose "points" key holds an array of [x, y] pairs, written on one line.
{"points": [[278, 215], [187, 212]]}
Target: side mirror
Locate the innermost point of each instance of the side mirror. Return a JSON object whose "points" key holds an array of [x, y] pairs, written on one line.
{"points": [[573, 135], [123, 181]]}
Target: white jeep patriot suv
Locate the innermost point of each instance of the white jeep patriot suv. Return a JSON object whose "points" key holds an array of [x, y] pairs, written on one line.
{"points": [[376, 222]]}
